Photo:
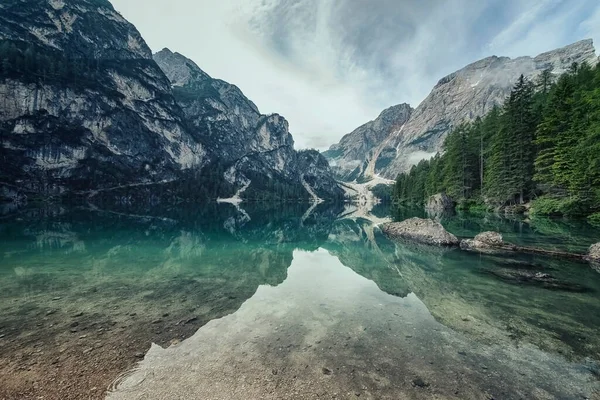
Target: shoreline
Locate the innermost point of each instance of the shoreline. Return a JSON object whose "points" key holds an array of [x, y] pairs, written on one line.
{"points": [[55, 346], [41, 363]]}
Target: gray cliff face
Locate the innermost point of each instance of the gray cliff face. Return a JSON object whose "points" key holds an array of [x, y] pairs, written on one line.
{"points": [[84, 28], [85, 109], [315, 170], [220, 112], [255, 147], [463, 96], [470, 93], [350, 157], [102, 114]]}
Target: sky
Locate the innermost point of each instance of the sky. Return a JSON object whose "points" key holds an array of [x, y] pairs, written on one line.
{"points": [[329, 66]]}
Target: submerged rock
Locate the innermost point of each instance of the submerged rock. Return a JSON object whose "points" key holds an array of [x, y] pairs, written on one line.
{"points": [[536, 278], [594, 253], [440, 202], [503, 261], [484, 242], [490, 238], [421, 230], [419, 382], [594, 257]]}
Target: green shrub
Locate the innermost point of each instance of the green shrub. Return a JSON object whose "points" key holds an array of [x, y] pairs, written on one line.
{"points": [[594, 219], [479, 208], [472, 206], [569, 207]]}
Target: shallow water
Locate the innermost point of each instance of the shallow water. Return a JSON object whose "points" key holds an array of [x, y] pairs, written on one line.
{"points": [[283, 304]]}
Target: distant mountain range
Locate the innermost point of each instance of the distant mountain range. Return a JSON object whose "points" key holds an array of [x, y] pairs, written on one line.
{"points": [[400, 137], [87, 110]]}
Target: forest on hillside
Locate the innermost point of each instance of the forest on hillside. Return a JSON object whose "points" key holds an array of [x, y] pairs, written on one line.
{"points": [[542, 146]]}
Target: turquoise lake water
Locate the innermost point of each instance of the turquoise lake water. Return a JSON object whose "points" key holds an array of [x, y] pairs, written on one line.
{"points": [[289, 304]]}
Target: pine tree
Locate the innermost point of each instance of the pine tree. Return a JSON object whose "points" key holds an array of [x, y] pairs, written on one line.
{"points": [[554, 125], [551, 135], [521, 124]]}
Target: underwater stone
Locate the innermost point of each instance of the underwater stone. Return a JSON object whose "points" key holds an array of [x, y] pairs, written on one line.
{"points": [[594, 253], [487, 242]]}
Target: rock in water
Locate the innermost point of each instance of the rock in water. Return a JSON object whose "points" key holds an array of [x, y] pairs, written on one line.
{"points": [[594, 257], [420, 230], [594, 253], [440, 202], [536, 278], [490, 238], [487, 242]]}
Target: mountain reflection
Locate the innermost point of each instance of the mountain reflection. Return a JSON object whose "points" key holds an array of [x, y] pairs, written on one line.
{"points": [[174, 268]]}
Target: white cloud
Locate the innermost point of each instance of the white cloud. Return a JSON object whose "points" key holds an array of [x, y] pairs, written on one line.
{"points": [[329, 66], [546, 25], [518, 29], [591, 27], [215, 34]]}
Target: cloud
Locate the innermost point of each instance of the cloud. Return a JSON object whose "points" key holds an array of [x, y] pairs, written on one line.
{"points": [[542, 26], [591, 27], [518, 29], [329, 66]]}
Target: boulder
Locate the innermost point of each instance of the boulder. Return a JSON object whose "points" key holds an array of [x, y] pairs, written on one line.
{"points": [[488, 242], [440, 202], [490, 239], [420, 230], [594, 253]]}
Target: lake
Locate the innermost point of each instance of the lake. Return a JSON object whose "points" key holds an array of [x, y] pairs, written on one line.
{"points": [[219, 302]]}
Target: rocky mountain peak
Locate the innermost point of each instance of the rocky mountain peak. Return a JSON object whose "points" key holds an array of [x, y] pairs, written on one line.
{"points": [[84, 28], [392, 114], [185, 73], [463, 95], [179, 69], [90, 109], [221, 113], [560, 59], [257, 149], [87, 109], [350, 157]]}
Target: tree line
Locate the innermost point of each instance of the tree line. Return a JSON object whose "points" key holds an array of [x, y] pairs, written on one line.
{"points": [[542, 145], [34, 64]]}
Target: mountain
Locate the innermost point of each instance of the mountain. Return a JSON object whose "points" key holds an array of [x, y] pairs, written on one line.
{"points": [[257, 149], [461, 96], [83, 105], [351, 156], [86, 110]]}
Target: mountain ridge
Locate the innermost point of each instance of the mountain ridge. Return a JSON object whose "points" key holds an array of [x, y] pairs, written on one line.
{"points": [[463, 95], [350, 157], [87, 111], [250, 142]]}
